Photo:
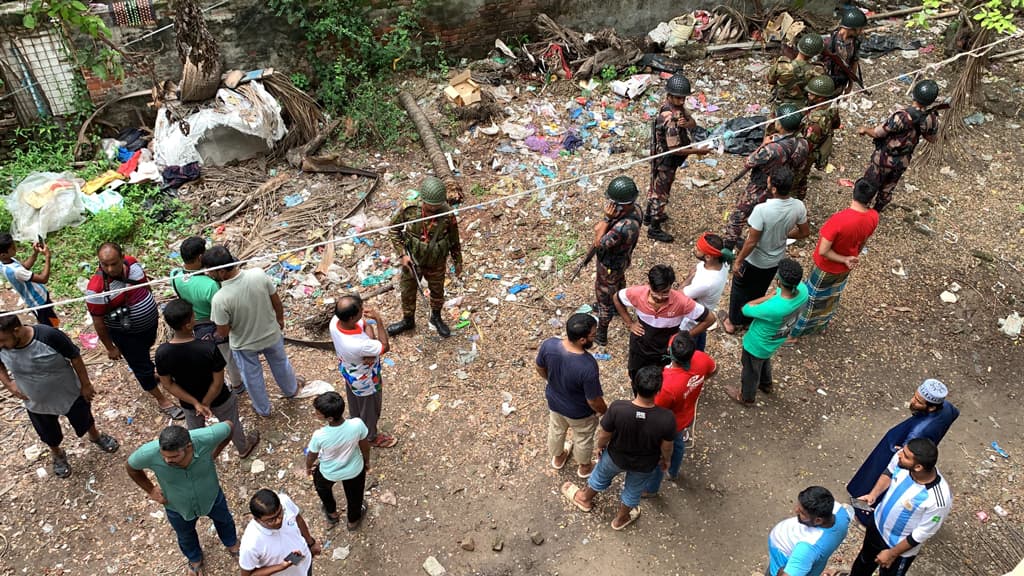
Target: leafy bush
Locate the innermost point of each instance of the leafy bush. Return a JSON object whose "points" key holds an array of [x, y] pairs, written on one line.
{"points": [[353, 56]]}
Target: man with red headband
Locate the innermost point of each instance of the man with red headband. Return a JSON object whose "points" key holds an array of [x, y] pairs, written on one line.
{"points": [[707, 280]]}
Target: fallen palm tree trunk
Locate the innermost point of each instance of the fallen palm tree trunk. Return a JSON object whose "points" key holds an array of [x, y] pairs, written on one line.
{"points": [[433, 149]]}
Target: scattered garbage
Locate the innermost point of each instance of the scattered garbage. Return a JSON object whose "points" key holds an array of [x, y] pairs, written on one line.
{"points": [[506, 404], [341, 553], [257, 466], [432, 567], [1011, 325], [976, 119], [462, 90], [998, 450], [948, 297]]}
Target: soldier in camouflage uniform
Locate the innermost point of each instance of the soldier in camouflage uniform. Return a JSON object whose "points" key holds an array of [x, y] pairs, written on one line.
{"points": [[896, 139], [614, 239], [844, 42], [818, 125], [786, 147], [788, 77], [425, 246], [669, 132]]}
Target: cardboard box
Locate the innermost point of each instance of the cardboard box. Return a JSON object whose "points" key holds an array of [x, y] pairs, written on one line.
{"points": [[462, 91]]}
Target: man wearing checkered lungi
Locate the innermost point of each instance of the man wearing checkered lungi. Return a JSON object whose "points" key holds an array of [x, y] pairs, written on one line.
{"points": [[839, 246]]}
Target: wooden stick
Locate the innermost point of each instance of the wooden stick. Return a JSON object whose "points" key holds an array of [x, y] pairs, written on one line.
{"points": [[265, 188], [1002, 55], [902, 12]]}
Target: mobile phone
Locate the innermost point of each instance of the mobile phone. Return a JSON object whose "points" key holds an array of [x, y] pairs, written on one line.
{"points": [[294, 558], [861, 505]]}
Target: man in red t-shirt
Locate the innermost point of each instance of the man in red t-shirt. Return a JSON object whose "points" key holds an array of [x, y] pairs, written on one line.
{"points": [[682, 382], [839, 246], [659, 311]]}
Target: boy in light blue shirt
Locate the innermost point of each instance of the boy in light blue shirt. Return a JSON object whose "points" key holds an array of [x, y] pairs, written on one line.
{"points": [[802, 545], [344, 456], [28, 284]]}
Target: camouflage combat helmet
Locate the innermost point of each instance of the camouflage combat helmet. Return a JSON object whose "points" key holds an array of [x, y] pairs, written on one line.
{"points": [[789, 116], [853, 18], [678, 85], [433, 192], [622, 190], [821, 86], [925, 92], [810, 44]]}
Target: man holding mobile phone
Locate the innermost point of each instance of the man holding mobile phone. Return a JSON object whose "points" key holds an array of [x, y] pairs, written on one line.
{"points": [[277, 539]]}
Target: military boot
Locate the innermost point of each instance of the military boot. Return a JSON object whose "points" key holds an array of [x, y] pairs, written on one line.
{"points": [[655, 232], [438, 323], [407, 323]]}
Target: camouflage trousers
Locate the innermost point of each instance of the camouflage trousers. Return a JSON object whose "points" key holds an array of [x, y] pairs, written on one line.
{"points": [[752, 196], [407, 284], [885, 172], [607, 283], [800, 178], [661, 188]]}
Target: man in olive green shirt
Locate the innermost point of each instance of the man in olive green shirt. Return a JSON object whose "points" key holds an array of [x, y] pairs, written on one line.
{"points": [[198, 290], [183, 463]]}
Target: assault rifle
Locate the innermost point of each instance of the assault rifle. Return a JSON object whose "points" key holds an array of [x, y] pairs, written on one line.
{"points": [[843, 67], [583, 264], [735, 179]]}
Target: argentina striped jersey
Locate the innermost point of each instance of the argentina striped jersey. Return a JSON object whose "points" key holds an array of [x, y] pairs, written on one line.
{"points": [[910, 510]]}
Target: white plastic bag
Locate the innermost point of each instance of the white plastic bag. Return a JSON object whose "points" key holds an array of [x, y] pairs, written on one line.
{"points": [[45, 202]]}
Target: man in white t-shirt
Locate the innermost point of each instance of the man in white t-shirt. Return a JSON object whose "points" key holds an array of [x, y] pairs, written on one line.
{"points": [[771, 224], [359, 345], [277, 537]]}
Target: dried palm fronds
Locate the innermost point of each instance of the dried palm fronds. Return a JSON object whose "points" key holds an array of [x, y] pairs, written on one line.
{"points": [[301, 113]]}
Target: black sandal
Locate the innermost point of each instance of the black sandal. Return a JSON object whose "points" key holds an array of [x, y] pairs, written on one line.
{"points": [[353, 526]]}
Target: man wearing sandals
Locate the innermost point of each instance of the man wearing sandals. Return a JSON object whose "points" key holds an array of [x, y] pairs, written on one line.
{"points": [[359, 345], [635, 437], [42, 367], [183, 463], [573, 392], [126, 322]]}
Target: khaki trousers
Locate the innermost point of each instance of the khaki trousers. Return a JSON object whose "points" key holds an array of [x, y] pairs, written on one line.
{"points": [[583, 430]]}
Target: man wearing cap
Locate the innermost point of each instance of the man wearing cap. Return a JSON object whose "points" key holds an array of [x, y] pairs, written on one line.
{"points": [[844, 45], [669, 132], [425, 246], [818, 125], [788, 76], [615, 237], [897, 138], [931, 415], [786, 147]]}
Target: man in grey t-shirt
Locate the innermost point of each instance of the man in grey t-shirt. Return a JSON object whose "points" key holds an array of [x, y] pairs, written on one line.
{"points": [[42, 367], [771, 225]]}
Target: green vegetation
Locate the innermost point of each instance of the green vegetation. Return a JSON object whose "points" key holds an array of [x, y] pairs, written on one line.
{"points": [[147, 223], [993, 15], [562, 247], [354, 56]]}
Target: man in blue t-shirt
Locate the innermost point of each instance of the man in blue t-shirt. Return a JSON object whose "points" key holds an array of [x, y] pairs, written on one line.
{"points": [[802, 545], [574, 392]]}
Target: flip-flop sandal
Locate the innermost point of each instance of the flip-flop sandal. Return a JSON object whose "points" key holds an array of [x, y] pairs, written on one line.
{"points": [[737, 397], [61, 468], [556, 465], [254, 439], [175, 412], [569, 490], [584, 476], [332, 521], [384, 441], [634, 513], [721, 321], [106, 443], [197, 569]]}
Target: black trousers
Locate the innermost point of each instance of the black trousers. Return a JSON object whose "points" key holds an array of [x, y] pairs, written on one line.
{"points": [[353, 493], [750, 286], [135, 348], [865, 564]]}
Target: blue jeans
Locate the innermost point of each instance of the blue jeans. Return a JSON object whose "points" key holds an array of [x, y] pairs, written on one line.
{"points": [[678, 451], [700, 341], [632, 485], [188, 538], [252, 374]]}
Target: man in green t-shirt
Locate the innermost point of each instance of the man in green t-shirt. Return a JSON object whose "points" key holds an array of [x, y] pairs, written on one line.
{"points": [[183, 463], [773, 318], [198, 290]]}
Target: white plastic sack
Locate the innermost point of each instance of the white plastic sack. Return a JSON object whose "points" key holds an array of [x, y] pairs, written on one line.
{"points": [[45, 202], [633, 87], [237, 128], [314, 389], [682, 29], [105, 200], [661, 34]]}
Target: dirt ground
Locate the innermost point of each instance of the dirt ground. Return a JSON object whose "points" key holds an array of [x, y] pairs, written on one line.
{"points": [[464, 471]]}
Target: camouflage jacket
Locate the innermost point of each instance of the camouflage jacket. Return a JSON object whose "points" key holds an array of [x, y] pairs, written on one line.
{"points": [[668, 135], [848, 51], [429, 242], [904, 129], [615, 249], [789, 149], [788, 77], [817, 129]]}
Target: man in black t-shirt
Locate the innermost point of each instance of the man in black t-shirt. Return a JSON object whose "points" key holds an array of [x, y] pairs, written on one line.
{"points": [[635, 437], [193, 372]]}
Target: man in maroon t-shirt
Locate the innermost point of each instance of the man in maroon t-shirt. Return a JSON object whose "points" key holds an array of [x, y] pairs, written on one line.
{"points": [[841, 240]]}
